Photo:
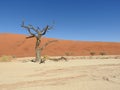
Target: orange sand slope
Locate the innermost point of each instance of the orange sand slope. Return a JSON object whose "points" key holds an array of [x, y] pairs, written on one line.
{"points": [[18, 45]]}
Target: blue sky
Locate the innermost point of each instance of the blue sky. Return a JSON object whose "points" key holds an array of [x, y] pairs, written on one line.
{"points": [[86, 20]]}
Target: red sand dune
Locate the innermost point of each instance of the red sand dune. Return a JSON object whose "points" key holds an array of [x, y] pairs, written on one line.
{"points": [[17, 45]]}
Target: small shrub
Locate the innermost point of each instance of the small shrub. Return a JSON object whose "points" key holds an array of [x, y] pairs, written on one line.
{"points": [[68, 53], [102, 53], [117, 57], [5, 58], [13, 56], [46, 57], [92, 53]]}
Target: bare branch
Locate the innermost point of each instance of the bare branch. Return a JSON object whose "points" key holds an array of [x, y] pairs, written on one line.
{"points": [[38, 28], [46, 44], [28, 28], [30, 36], [22, 25], [34, 29], [51, 27], [31, 32], [45, 30]]}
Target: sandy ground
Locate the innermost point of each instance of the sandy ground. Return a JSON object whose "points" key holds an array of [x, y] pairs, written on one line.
{"points": [[94, 74]]}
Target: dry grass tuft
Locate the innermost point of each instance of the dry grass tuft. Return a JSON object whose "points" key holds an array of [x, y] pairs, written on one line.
{"points": [[5, 58]]}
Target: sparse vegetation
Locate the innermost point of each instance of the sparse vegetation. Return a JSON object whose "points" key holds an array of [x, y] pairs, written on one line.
{"points": [[68, 53], [94, 57], [13, 56], [44, 58], [102, 53], [5, 58], [92, 53]]}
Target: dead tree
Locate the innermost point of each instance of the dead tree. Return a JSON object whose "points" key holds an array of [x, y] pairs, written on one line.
{"points": [[37, 33]]}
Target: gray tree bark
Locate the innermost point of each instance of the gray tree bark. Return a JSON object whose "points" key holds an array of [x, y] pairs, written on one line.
{"points": [[37, 33], [37, 50]]}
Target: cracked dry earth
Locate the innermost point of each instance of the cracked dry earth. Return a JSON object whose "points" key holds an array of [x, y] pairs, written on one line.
{"points": [[71, 75]]}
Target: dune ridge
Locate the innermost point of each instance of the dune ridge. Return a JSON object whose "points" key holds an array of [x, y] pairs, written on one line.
{"points": [[17, 45]]}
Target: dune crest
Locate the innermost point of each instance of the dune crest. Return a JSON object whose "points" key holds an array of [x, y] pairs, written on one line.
{"points": [[18, 45]]}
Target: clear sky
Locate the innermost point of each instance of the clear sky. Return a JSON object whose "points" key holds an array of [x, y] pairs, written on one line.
{"points": [[86, 20]]}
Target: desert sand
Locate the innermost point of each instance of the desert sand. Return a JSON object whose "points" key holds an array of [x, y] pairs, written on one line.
{"points": [[18, 46], [78, 73], [84, 74]]}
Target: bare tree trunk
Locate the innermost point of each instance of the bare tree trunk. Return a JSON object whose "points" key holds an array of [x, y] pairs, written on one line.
{"points": [[37, 49], [38, 55], [37, 33]]}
